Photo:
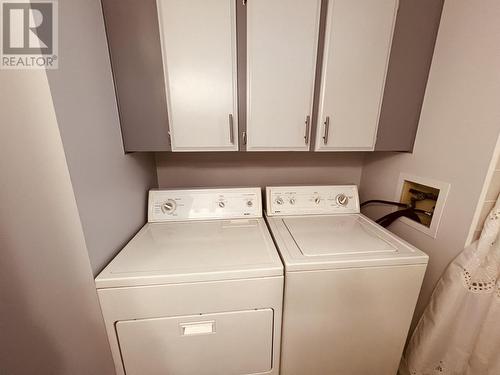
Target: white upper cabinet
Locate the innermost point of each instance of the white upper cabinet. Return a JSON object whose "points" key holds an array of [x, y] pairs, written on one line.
{"points": [[198, 40], [357, 46], [282, 39]]}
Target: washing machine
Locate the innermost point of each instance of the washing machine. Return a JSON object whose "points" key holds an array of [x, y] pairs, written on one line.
{"points": [[198, 290], [350, 285]]}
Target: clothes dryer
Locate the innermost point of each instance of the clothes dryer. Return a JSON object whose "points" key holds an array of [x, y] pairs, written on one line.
{"points": [[198, 290]]}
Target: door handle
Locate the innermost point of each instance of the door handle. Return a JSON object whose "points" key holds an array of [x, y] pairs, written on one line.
{"points": [[197, 328], [306, 136], [231, 128], [327, 130]]}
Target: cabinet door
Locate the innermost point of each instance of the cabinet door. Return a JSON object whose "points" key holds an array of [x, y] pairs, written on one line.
{"points": [[199, 56], [282, 38], [357, 45]]}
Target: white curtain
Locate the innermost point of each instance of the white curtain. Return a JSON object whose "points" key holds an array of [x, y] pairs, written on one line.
{"points": [[459, 332]]}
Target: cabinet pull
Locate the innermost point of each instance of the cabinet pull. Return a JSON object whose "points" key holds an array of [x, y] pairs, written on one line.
{"points": [[306, 136], [327, 129], [231, 128], [244, 2]]}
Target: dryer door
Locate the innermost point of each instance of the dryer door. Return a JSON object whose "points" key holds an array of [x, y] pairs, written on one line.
{"points": [[205, 344]]}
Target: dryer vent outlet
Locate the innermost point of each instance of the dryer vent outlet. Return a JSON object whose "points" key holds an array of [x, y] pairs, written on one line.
{"points": [[427, 197]]}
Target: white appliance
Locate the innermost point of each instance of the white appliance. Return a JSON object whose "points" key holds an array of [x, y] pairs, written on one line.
{"points": [[350, 285], [198, 290]]}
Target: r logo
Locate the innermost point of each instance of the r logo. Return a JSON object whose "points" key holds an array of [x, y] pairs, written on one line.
{"points": [[27, 28]]}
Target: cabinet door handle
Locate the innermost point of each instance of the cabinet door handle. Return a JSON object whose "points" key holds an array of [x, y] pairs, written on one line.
{"points": [[327, 130], [306, 136], [231, 128]]}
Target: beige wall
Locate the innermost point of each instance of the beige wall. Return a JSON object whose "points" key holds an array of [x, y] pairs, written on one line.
{"points": [[110, 186], [458, 129], [50, 321], [257, 169]]}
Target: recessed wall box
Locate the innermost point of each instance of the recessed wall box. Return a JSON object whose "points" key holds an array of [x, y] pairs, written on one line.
{"points": [[427, 196]]}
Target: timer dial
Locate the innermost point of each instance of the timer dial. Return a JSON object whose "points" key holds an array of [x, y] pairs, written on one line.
{"points": [[168, 207], [342, 200]]}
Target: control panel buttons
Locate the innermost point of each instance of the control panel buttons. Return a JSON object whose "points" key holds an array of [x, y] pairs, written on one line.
{"points": [[307, 200], [204, 204], [168, 207], [342, 200]]}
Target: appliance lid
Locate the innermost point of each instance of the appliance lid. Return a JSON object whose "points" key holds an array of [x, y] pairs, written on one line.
{"points": [[336, 235], [175, 252], [321, 242]]}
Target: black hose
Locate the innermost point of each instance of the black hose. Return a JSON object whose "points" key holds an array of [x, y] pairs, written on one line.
{"points": [[388, 219], [398, 204], [408, 211]]}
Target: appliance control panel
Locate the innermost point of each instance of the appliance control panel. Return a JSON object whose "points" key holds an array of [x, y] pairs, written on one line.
{"points": [[312, 200], [204, 204]]}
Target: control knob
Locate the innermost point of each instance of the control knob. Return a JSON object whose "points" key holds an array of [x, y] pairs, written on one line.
{"points": [[168, 207], [342, 200], [279, 201]]}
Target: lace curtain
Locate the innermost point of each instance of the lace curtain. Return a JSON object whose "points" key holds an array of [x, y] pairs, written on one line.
{"points": [[459, 332]]}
